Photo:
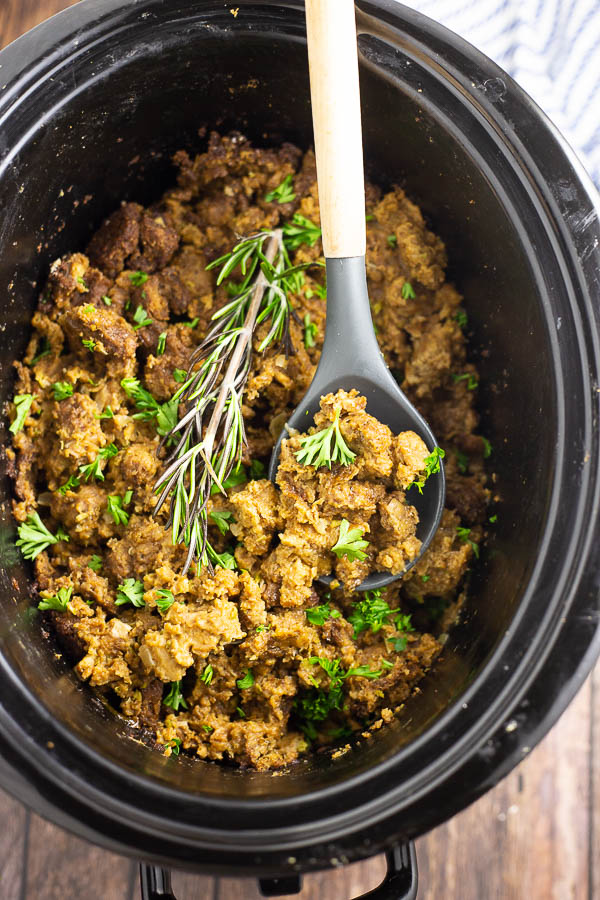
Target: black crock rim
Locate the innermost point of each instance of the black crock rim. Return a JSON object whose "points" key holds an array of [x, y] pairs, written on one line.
{"points": [[49, 774]]}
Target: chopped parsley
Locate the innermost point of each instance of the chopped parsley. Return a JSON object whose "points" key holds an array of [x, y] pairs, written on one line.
{"points": [[116, 507], [59, 601], [350, 543], [487, 447], [207, 674], [246, 682], [162, 343], [93, 470], [461, 318], [283, 193], [300, 231], [493, 519], [164, 599], [407, 291], [257, 469], [392, 241], [310, 332], [165, 414], [236, 477], [462, 460], [89, 344], [175, 698], [319, 291], [318, 615], [261, 628], [138, 278], [179, 375], [80, 281], [464, 535], [221, 517], [105, 414], [35, 537], [95, 563], [130, 591], [192, 323], [106, 300], [22, 406], [44, 349], [141, 318], [208, 729], [316, 705], [69, 485], [468, 377], [174, 745], [62, 390], [316, 448], [425, 578], [430, 467], [373, 612], [226, 560]]}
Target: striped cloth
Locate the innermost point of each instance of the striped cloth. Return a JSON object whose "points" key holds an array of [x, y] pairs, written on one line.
{"points": [[550, 47]]}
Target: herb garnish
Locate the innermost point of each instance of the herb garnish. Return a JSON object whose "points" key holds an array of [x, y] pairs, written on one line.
{"points": [[464, 535], [317, 704], [174, 745], [130, 591], [175, 698], [162, 343], [283, 193], [246, 682], [373, 612], [300, 231], [35, 537], [392, 241], [22, 406], [89, 344], [471, 380], [164, 413], [95, 563], [221, 517], [164, 599], [462, 461], [106, 300], [207, 674], [487, 447], [407, 291], [116, 507], [141, 318], [461, 318], [93, 470], [179, 375], [316, 448], [62, 390], [431, 465], [350, 543], [310, 332], [318, 615], [59, 601], [138, 278], [45, 349], [105, 414]]}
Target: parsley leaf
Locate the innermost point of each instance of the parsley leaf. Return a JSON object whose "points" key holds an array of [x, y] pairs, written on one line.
{"points": [[106, 300], [192, 323], [22, 406], [106, 414], [257, 469], [462, 460], [130, 591], [225, 560], [461, 318], [69, 485], [59, 601], [179, 375], [318, 615], [283, 193], [164, 600], [95, 563], [407, 291], [44, 349], [316, 448], [138, 278], [89, 344], [487, 447], [236, 477], [246, 682], [310, 332], [350, 543], [93, 470], [300, 231], [164, 413], [471, 380], [115, 506], [220, 517], [464, 535], [174, 745], [141, 318], [371, 612], [207, 674], [162, 343], [35, 537], [392, 241], [175, 698], [430, 467]]}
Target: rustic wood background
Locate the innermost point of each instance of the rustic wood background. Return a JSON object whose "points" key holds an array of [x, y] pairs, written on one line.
{"points": [[534, 837]]}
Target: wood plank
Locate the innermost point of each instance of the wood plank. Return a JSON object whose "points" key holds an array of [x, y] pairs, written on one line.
{"points": [[528, 838], [18, 16], [13, 833], [60, 866]]}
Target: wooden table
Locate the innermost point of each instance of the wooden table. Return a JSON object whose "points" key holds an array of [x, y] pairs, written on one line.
{"points": [[534, 837]]}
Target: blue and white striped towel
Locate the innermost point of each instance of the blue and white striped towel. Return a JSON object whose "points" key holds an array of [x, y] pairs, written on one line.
{"points": [[550, 47]]}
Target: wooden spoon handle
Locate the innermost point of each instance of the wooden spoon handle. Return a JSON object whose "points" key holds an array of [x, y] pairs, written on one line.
{"points": [[334, 89]]}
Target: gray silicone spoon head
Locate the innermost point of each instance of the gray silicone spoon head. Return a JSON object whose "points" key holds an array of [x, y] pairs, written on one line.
{"points": [[351, 357]]}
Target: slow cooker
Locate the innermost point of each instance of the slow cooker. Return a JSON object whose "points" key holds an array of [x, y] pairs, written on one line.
{"points": [[93, 103]]}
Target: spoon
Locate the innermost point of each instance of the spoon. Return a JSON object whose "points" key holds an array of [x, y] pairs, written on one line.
{"points": [[351, 357]]}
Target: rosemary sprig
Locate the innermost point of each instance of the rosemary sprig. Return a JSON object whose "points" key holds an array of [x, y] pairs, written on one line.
{"points": [[206, 452]]}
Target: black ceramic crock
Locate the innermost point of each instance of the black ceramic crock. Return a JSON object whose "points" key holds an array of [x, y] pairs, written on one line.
{"points": [[92, 105]]}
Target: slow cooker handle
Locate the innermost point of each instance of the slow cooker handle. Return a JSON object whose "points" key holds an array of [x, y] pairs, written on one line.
{"points": [[400, 882]]}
